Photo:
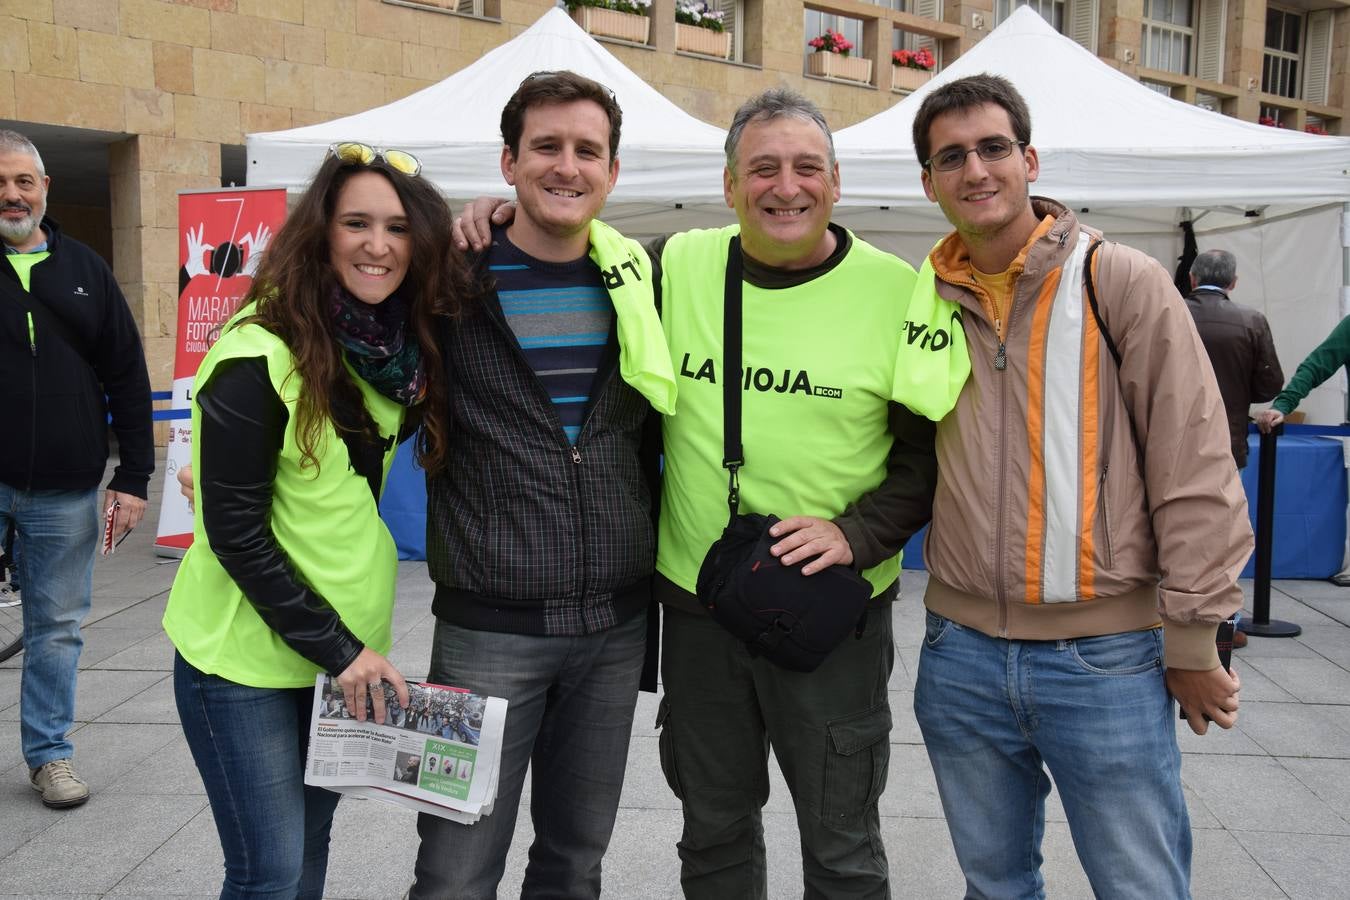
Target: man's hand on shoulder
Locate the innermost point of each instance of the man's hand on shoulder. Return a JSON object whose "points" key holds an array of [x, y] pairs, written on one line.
{"points": [[473, 226], [802, 537], [1205, 695]]}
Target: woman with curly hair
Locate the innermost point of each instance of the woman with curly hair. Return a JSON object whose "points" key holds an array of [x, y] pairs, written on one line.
{"points": [[296, 413]]}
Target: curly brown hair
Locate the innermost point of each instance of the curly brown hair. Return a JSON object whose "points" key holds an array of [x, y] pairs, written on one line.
{"points": [[295, 284]]}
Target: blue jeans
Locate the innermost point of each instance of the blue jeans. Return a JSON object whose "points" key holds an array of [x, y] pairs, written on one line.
{"points": [[1094, 711], [59, 532], [570, 715], [249, 745]]}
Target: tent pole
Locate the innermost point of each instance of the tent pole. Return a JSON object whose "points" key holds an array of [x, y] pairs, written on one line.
{"points": [[1345, 310], [1345, 304], [1345, 259]]}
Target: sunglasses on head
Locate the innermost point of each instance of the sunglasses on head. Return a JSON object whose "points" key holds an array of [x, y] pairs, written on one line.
{"points": [[354, 153], [544, 75]]}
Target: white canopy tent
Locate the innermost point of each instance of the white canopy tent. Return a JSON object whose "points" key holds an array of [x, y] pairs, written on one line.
{"points": [[667, 157], [1137, 163]]}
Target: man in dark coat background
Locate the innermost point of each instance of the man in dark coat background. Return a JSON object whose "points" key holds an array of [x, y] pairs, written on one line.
{"points": [[1238, 341]]}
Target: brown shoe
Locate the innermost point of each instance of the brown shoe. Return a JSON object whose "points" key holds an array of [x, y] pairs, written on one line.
{"points": [[1239, 639], [58, 784]]}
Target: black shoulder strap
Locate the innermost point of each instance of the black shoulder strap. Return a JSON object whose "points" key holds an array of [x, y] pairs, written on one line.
{"points": [[47, 318], [1106, 335], [1092, 301], [733, 454]]}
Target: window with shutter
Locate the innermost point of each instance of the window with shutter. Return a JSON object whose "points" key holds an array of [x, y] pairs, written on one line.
{"points": [[733, 21], [907, 40], [929, 9], [1317, 57], [1082, 28], [1210, 39]]}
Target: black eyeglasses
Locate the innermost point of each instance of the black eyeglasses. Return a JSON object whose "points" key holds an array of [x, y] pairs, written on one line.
{"points": [[989, 150], [354, 153], [545, 74]]}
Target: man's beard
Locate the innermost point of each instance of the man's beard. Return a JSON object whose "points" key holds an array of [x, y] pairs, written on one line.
{"points": [[16, 231]]}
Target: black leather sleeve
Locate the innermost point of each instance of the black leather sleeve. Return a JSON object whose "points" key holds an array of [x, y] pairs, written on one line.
{"points": [[879, 523], [243, 424]]}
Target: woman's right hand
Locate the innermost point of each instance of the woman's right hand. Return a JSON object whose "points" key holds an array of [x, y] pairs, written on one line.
{"points": [[366, 675]]}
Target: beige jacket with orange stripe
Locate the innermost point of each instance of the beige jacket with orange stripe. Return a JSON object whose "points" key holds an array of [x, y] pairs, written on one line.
{"points": [[1048, 522]]}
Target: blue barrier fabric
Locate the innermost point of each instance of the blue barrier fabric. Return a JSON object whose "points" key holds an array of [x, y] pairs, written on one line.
{"points": [[403, 506], [1310, 497]]}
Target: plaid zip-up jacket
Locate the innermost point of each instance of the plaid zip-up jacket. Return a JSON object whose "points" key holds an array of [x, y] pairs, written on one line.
{"points": [[527, 533]]}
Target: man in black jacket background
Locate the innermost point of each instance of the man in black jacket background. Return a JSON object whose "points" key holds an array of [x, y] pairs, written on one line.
{"points": [[70, 355], [1238, 341]]}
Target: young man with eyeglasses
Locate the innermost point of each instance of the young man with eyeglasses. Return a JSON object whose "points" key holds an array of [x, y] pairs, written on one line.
{"points": [[540, 534], [1088, 527]]}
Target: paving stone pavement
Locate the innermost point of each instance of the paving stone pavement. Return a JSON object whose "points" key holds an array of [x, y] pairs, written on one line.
{"points": [[1269, 801]]}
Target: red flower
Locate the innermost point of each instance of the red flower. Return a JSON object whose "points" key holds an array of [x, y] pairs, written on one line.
{"points": [[914, 59], [831, 41]]}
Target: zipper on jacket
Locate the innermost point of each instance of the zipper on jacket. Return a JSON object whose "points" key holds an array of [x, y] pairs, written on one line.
{"points": [[606, 384], [1107, 553], [580, 530], [1000, 535], [1000, 357], [1000, 585], [32, 431]]}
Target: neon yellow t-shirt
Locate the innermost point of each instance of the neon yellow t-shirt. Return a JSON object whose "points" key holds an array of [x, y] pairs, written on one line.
{"points": [[822, 361], [23, 264]]}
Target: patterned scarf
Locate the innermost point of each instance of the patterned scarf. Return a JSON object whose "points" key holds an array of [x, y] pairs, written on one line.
{"points": [[375, 338]]}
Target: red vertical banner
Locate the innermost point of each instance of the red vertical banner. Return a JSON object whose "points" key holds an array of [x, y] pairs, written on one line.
{"points": [[222, 235]]}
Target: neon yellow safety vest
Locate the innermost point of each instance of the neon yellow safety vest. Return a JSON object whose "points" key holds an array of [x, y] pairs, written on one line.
{"points": [[327, 523], [821, 361]]}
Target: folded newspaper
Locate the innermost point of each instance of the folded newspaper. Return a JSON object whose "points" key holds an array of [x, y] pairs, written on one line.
{"points": [[441, 755]]}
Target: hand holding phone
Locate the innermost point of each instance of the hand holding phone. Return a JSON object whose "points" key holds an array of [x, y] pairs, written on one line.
{"points": [[109, 515], [122, 513]]}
